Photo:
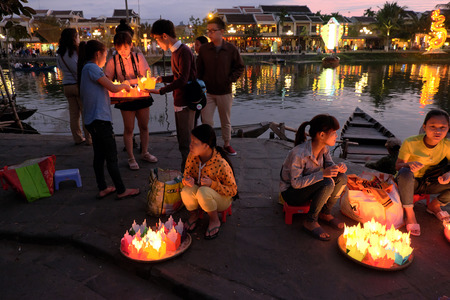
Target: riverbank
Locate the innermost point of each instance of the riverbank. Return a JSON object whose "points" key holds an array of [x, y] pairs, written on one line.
{"points": [[256, 256], [254, 58]]}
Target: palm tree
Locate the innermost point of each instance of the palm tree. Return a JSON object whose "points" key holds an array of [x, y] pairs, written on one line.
{"points": [[369, 12], [389, 19], [282, 17]]}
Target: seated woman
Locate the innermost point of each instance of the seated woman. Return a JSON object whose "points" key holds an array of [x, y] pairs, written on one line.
{"points": [[127, 67], [417, 154], [208, 180], [309, 173]]}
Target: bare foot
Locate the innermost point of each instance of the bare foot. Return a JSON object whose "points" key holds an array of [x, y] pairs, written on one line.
{"points": [[109, 190], [128, 193]]}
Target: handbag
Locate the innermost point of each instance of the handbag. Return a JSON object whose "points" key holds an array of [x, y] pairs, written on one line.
{"points": [[364, 199], [164, 196], [33, 179], [195, 94]]}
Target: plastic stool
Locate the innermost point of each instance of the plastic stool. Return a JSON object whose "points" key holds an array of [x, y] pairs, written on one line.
{"points": [[69, 174], [223, 213], [290, 210], [418, 197]]}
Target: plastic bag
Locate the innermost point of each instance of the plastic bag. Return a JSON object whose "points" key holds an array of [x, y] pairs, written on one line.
{"points": [[362, 206], [164, 196]]}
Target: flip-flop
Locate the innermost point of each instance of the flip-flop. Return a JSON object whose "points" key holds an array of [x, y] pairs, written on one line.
{"points": [[334, 223], [442, 215], [210, 237], [190, 226], [133, 194], [414, 229], [110, 189], [316, 232]]}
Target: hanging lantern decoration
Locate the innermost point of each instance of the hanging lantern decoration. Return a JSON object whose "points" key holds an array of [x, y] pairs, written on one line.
{"points": [[438, 31], [331, 34]]}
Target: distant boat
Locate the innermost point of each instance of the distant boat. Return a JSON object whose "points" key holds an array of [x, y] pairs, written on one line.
{"points": [[330, 61], [363, 137]]}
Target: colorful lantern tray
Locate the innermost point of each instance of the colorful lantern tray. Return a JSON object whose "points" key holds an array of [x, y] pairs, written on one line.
{"points": [[163, 242], [375, 247]]}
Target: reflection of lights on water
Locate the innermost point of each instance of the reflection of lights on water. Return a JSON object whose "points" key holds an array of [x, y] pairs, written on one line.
{"points": [[328, 83], [288, 82], [431, 79], [361, 84], [233, 88]]}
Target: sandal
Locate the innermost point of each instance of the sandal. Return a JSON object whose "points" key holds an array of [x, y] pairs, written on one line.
{"points": [[317, 233], [442, 215], [190, 226], [106, 192], [335, 222], [209, 236], [414, 229], [133, 164], [148, 157]]}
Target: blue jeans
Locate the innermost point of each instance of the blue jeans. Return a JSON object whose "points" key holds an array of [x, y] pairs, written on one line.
{"points": [[408, 185], [105, 149], [323, 196]]}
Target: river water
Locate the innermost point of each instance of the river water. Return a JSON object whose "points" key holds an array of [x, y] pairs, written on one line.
{"points": [[397, 95]]}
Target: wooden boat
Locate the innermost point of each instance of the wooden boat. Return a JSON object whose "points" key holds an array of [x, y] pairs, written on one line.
{"points": [[363, 137], [330, 61], [7, 114]]}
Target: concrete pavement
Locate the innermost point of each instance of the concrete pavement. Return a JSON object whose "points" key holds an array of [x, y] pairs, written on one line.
{"points": [[55, 245]]}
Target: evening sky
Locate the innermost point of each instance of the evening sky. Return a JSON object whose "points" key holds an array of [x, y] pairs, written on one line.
{"points": [[181, 10]]}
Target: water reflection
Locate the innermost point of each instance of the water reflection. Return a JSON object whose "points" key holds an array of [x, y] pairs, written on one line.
{"points": [[397, 95]]}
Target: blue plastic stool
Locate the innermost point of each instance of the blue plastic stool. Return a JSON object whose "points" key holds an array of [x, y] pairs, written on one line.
{"points": [[69, 174]]}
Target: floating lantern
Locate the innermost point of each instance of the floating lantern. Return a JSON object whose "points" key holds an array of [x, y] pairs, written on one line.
{"points": [[145, 244], [147, 83], [374, 245]]}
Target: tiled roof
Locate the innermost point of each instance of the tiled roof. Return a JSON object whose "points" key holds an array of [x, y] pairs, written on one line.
{"points": [[61, 12], [291, 9], [240, 19], [112, 20], [252, 10], [315, 19], [301, 18], [123, 13], [223, 11], [264, 18]]}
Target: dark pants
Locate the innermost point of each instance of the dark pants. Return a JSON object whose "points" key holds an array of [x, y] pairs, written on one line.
{"points": [[105, 149], [408, 186], [184, 121], [323, 195]]}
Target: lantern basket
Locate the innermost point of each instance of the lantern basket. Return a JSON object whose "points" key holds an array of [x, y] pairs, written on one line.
{"points": [[169, 254], [395, 267]]}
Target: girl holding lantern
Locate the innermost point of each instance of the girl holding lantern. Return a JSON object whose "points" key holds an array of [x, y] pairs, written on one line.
{"points": [[208, 180], [423, 168], [94, 87], [309, 174], [128, 67]]}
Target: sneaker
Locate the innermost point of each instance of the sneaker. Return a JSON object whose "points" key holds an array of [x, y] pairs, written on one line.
{"points": [[230, 150]]}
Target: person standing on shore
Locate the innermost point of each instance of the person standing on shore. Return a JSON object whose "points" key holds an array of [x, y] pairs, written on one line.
{"points": [[183, 69], [67, 62], [219, 64], [94, 87]]}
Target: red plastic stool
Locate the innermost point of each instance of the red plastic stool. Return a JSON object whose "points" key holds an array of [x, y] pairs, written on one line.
{"points": [[418, 197], [223, 213], [290, 210]]}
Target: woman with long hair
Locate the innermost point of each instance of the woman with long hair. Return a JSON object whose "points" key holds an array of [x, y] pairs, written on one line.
{"points": [[67, 62], [309, 174]]}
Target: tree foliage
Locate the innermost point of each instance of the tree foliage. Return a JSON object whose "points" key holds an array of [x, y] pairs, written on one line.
{"points": [[10, 7], [18, 32], [369, 12], [390, 19], [198, 26], [49, 28], [282, 16], [145, 28]]}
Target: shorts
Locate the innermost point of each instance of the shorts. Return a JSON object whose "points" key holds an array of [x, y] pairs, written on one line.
{"points": [[135, 105]]}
